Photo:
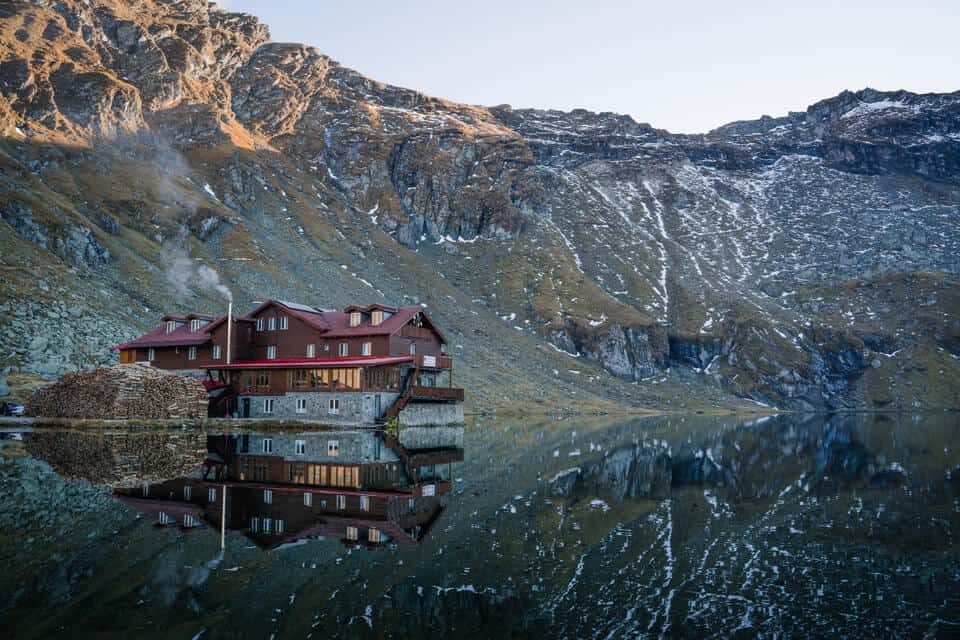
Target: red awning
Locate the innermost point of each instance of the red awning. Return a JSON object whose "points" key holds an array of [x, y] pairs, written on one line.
{"points": [[313, 363]]}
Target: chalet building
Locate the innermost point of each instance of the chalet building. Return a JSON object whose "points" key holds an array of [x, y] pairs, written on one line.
{"points": [[348, 485], [360, 365]]}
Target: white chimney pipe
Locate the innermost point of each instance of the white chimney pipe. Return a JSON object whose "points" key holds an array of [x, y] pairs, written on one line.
{"points": [[229, 329]]}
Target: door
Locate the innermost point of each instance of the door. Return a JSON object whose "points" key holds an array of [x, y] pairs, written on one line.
{"points": [[245, 408]]}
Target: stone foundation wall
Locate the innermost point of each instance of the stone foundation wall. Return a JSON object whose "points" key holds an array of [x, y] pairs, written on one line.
{"points": [[431, 413], [356, 408], [431, 437]]}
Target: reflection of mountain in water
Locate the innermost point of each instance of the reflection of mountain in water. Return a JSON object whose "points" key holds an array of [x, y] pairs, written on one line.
{"points": [[754, 460], [356, 486]]}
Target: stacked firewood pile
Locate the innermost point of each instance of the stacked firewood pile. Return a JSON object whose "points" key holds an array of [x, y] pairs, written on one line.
{"points": [[119, 459], [124, 392]]}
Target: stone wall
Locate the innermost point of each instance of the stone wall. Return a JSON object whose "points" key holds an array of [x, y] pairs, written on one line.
{"points": [[414, 438], [431, 413], [355, 408]]}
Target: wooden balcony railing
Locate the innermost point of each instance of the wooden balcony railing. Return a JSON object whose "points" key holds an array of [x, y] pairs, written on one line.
{"points": [[437, 393], [257, 388], [434, 362]]}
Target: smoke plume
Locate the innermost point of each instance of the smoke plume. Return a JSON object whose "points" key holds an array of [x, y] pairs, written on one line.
{"points": [[187, 276]]}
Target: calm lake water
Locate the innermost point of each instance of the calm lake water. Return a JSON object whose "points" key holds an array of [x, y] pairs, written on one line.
{"points": [[791, 526]]}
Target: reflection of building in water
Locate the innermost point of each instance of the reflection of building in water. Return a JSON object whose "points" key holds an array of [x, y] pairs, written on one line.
{"points": [[348, 485]]}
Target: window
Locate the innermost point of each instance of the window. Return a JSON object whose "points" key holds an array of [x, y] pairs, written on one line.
{"points": [[364, 503], [376, 317], [300, 445], [254, 524], [267, 525], [171, 326], [267, 497], [272, 323], [374, 535], [311, 351], [146, 490], [411, 504], [215, 354], [151, 354], [354, 318], [333, 448], [268, 405], [211, 495], [271, 353], [165, 519], [344, 349], [301, 408], [284, 323], [352, 533], [259, 324], [268, 445], [195, 325], [192, 353], [366, 349], [334, 407], [279, 527], [308, 499], [341, 502], [187, 492], [190, 521], [413, 348]]}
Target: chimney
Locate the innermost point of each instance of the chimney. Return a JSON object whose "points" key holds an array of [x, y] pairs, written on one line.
{"points": [[229, 329]]}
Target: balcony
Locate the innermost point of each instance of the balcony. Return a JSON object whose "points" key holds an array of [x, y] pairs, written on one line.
{"points": [[434, 362], [437, 394]]}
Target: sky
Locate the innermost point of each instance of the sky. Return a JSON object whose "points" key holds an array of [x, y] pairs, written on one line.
{"points": [[682, 65]]}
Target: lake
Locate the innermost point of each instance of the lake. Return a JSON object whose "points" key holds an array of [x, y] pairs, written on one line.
{"points": [[681, 526]]}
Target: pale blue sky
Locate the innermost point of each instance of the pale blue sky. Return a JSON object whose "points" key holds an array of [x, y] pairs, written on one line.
{"points": [[683, 65]]}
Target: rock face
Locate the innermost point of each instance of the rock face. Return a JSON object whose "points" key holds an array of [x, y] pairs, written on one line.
{"points": [[775, 259]]}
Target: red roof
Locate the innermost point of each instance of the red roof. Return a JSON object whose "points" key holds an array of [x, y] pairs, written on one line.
{"points": [[179, 337], [336, 324], [313, 363]]}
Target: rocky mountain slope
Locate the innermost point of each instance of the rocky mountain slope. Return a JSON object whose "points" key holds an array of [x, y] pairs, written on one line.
{"points": [[808, 261]]}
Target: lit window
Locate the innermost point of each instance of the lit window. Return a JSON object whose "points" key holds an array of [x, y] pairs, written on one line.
{"points": [[211, 495], [216, 352], [259, 324], [373, 535], [354, 318], [352, 533], [301, 408], [311, 351], [413, 348], [254, 524], [364, 503], [300, 447], [187, 492], [267, 497], [268, 445], [192, 353], [151, 354], [344, 349], [376, 317], [268, 406], [171, 326], [284, 323], [272, 323], [341, 502], [334, 406], [271, 353], [333, 448], [366, 349], [308, 499]]}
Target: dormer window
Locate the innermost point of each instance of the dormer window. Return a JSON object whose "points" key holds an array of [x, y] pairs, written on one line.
{"points": [[354, 318], [195, 325], [171, 326], [376, 318]]}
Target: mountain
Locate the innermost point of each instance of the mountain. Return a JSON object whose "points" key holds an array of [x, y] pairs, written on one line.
{"points": [[807, 262]]}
